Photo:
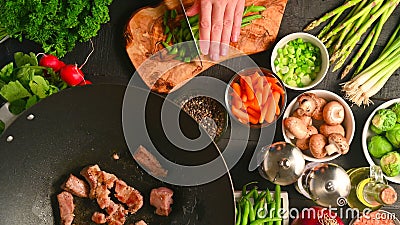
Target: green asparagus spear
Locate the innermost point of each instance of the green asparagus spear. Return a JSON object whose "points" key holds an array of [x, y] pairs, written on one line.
{"points": [[343, 58], [329, 25], [354, 10], [359, 53], [331, 42], [364, 27], [351, 20], [363, 20], [379, 25], [392, 38], [342, 36], [328, 15], [346, 34]]}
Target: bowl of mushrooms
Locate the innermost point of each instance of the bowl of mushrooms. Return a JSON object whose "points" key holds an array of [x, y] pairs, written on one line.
{"points": [[320, 123]]}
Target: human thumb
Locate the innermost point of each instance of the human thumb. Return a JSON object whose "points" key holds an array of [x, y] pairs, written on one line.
{"points": [[194, 9]]}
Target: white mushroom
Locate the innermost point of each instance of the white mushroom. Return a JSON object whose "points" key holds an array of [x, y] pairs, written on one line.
{"points": [[326, 129], [317, 145], [318, 112], [307, 120], [296, 127], [337, 143], [303, 144], [333, 113], [307, 104]]}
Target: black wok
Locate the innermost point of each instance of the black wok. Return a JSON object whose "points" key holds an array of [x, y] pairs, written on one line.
{"points": [[82, 126]]}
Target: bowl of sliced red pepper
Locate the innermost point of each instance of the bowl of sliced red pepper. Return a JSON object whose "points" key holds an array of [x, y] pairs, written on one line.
{"points": [[255, 97]]}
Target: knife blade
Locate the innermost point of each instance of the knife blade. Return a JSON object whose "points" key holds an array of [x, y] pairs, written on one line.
{"points": [[191, 33]]}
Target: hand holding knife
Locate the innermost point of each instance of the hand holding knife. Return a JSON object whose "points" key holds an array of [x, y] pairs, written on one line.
{"points": [[220, 23], [191, 33]]}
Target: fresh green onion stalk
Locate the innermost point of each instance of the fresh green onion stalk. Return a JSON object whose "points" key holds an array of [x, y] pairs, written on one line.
{"points": [[371, 80]]}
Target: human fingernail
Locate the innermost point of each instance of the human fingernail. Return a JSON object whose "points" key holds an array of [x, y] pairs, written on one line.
{"points": [[224, 50], [235, 37], [214, 57], [204, 46]]}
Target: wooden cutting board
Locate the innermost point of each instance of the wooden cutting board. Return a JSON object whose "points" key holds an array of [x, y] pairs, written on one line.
{"points": [[144, 30]]}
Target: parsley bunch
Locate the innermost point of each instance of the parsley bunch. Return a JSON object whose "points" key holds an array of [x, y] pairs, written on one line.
{"points": [[55, 24]]}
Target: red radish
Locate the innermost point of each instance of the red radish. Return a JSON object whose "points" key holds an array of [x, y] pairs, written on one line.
{"points": [[85, 82], [51, 61], [317, 215], [72, 75]]}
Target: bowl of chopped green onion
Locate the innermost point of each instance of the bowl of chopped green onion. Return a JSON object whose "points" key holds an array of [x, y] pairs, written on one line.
{"points": [[301, 60]]}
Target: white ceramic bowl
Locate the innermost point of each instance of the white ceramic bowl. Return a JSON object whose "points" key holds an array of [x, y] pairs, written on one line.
{"points": [[367, 133], [250, 71], [348, 123], [307, 38]]}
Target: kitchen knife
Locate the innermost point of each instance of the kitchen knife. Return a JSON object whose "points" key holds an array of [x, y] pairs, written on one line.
{"points": [[191, 33]]}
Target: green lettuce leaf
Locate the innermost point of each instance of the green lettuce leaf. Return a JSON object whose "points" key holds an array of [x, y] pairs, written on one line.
{"points": [[22, 59], [24, 75], [2, 83], [39, 86], [18, 106], [31, 101], [14, 91], [6, 72]]}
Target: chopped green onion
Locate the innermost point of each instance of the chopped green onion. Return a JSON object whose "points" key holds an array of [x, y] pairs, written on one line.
{"points": [[298, 62]]}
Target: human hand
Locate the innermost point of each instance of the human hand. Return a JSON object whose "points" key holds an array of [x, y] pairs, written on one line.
{"points": [[220, 23]]}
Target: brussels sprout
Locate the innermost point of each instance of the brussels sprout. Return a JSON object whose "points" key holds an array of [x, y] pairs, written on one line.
{"points": [[384, 119], [390, 164], [393, 135], [378, 146], [375, 129], [396, 109]]}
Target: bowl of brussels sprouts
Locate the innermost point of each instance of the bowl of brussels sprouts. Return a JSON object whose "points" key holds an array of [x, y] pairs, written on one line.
{"points": [[381, 139]]}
